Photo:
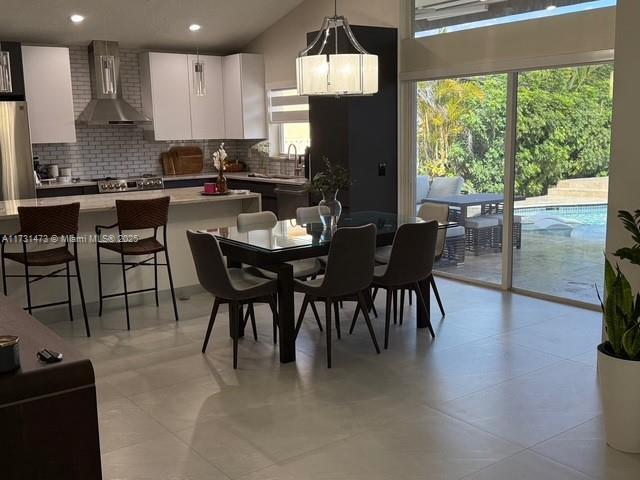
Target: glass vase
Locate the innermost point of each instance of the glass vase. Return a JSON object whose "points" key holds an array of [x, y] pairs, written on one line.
{"points": [[330, 210]]}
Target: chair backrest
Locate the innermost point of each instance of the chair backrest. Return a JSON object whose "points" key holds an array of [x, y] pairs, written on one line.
{"points": [[441, 186], [351, 261], [306, 215], [49, 220], [248, 222], [142, 214], [439, 212], [413, 253], [210, 265], [422, 188]]}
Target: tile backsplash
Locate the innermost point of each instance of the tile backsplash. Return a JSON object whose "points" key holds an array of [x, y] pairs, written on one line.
{"points": [[123, 150]]}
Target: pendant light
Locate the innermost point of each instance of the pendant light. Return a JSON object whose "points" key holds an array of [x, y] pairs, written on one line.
{"points": [[337, 72], [5, 71], [199, 87]]}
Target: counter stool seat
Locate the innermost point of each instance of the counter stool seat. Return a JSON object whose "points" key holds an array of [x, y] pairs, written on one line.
{"points": [[144, 246], [42, 258]]}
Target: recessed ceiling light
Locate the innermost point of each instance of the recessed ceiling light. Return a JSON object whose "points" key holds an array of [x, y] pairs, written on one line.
{"points": [[551, 7], [194, 27], [75, 18]]}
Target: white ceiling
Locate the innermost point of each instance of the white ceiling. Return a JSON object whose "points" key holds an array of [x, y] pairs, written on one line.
{"points": [[227, 25]]}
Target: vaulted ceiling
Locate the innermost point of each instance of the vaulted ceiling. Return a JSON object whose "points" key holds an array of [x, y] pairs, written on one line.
{"points": [[227, 25]]}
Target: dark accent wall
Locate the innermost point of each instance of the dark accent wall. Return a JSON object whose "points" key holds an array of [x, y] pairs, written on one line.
{"points": [[362, 132], [17, 77]]}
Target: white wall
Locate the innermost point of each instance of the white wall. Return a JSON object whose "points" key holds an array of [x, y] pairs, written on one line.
{"points": [[281, 43], [624, 193]]}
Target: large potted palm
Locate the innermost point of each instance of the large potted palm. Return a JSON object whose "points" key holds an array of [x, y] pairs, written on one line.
{"points": [[619, 355]]}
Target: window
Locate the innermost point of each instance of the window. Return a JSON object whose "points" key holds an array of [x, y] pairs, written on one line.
{"points": [[290, 112], [297, 134], [432, 17]]}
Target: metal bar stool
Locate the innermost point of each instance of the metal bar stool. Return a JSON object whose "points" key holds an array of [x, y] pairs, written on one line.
{"points": [[136, 215], [39, 224]]}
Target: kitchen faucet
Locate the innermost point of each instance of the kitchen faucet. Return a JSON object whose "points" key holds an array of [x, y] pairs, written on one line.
{"points": [[297, 168]]}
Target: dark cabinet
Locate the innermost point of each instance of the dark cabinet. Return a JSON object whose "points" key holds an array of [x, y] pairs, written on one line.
{"points": [[362, 132], [66, 191], [17, 76]]}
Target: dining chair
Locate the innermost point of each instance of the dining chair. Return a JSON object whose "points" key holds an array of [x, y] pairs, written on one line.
{"points": [[348, 274], [411, 261], [232, 286]]}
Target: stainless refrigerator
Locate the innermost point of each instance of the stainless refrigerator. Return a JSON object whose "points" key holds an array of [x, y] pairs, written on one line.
{"points": [[17, 180]]}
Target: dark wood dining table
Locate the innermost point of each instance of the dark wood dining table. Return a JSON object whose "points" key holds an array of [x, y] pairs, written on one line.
{"points": [[271, 249]]}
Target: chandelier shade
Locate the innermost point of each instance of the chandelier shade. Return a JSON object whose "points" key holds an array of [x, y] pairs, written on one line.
{"points": [[339, 72]]}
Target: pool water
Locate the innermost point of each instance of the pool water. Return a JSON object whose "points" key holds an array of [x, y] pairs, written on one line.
{"points": [[589, 221]]}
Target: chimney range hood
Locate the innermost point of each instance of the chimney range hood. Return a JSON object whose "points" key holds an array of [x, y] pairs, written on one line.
{"points": [[107, 106]]}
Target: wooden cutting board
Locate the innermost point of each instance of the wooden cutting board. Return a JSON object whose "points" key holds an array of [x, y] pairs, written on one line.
{"points": [[187, 160]]}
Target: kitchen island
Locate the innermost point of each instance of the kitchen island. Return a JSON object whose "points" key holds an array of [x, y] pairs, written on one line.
{"points": [[188, 210]]}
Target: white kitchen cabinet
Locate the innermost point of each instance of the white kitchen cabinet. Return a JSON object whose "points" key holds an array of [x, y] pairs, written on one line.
{"points": [[164, 80], [245, 109], [207, 112], [47, 78]]}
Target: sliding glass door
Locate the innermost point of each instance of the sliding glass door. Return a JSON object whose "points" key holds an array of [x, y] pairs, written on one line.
{"points": [[559, 162], [562, 165]]}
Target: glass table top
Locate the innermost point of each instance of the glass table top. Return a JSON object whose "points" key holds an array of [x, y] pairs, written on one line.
{"points": [[287, 234]]}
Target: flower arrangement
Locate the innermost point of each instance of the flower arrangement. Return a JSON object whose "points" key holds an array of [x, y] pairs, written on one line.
{"points": [[333, 178]]}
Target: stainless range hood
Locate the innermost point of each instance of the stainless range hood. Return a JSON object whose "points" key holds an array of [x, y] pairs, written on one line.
{"points": [[107, 106]]}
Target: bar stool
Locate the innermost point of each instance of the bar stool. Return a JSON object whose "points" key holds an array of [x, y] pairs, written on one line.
{"points": [[136, 215], [59, 221]]}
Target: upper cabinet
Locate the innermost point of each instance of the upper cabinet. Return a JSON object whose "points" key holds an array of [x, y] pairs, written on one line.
{"points": [[245, 110], [47, 82], [207, 111], [14, 55], [169, 99]]}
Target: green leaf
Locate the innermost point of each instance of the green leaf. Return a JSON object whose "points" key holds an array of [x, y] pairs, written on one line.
{"points": [[630, 223], [631, 342], [632, 254]]}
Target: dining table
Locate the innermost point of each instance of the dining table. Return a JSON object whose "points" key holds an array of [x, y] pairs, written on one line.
{"points": [[271, 249]]}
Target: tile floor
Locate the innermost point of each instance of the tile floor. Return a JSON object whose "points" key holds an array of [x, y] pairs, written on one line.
{"points": [[506, 391]]}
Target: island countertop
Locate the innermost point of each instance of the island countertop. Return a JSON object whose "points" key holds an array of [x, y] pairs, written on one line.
{"points": [[107, 201]]}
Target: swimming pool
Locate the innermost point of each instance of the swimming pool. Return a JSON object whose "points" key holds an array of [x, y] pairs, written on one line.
{"points": [[586, 222]]}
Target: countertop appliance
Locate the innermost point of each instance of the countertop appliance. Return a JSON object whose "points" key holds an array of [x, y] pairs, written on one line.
{"points": [[17, 180], [111, 185]]}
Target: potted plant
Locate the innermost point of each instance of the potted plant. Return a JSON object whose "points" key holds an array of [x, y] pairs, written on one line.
{"points": [[328, 183], [619, 355]]}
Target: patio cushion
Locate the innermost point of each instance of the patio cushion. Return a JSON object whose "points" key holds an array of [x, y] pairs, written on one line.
{"points": [[481, 222], [498, 216], [441, 186], [455, 232]]}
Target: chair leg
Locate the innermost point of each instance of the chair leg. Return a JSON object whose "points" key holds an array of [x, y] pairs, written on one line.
{"points": [[363, 305], [252, 314], [336, 310], [395, 307], [303, 310], [410, 297], [81, 292], [212, 319], [327, 309], [375, 294], [126, 296], [370, 303], [235, 330], [423, 305], [28, 285], [69, 292], [387, 319], [99, 280], [401, 305], [355, 317], [155, 277], [274, 312], [173, 293], [432, 280], [315, 314]]}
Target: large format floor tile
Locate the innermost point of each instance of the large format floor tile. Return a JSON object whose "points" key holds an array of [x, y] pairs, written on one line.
{"points": [[506, 390], [535, 407]]}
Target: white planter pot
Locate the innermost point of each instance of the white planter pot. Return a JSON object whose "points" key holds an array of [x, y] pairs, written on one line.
{"points": [[620, 391]]}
